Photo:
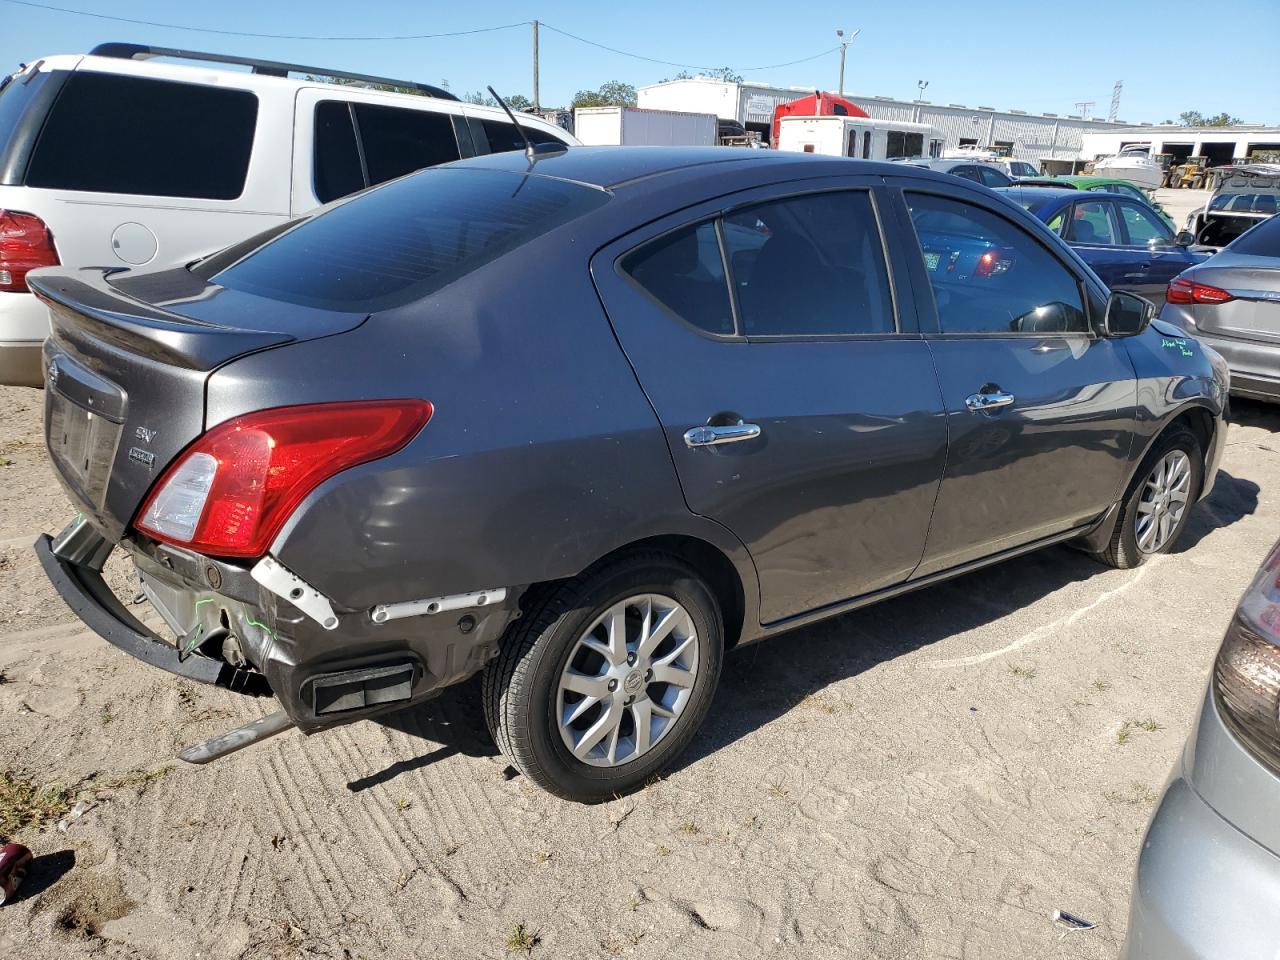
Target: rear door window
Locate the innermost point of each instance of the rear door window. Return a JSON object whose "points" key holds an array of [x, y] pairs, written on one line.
{"points": [[990, 276], [136, 135], [809, 266], [993, 177], [398, 141]]}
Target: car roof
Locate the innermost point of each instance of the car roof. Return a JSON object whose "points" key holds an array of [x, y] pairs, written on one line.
{"points": [[617, 167], [1041, 200], [211, 74]]}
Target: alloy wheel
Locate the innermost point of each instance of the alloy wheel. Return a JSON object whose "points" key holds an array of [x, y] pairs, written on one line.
{"points": [[627, 680], [1163, 501]]}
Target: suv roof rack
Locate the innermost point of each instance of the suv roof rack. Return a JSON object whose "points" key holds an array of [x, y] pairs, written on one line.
{"points": [[270, 68]]}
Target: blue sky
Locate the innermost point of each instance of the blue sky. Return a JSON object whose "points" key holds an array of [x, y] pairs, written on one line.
{"points": [[1035, 57]]}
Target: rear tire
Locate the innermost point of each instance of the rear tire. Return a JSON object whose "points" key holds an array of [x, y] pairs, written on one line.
{"points": [[1150, 521], [589, 697]]}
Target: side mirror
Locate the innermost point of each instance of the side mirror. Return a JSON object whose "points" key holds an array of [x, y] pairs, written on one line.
{"points": [[1184, 238], [1127, 315]]}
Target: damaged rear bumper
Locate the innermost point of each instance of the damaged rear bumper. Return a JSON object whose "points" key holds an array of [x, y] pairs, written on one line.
{"points": [[73, 563], [264, 632]]}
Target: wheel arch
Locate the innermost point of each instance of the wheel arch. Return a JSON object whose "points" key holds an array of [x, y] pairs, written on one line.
{"points": [[732, 587]]}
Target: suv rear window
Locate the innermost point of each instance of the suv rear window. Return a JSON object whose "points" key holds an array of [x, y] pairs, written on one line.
{"points": [[407, 239], [135, 135]]}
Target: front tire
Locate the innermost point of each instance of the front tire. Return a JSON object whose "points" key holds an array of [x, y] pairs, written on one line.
{"points": [[607, 678], [1158, 502]]}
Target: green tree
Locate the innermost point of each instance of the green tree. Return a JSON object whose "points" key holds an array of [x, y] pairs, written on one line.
{"points": [[479, 99], [387, 87], [1194, 118], [725, 74], [615, 93]]}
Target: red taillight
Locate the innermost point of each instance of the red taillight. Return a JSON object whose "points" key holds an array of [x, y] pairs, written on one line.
{"points": [[231, 491], [25, 243], [1188, 291], [993, 263]]}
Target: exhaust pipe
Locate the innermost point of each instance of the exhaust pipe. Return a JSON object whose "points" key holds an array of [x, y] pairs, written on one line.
{"points": [[224, 743]]}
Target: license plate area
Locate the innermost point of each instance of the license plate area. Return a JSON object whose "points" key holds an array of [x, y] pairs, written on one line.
{"points": [[82, 444]]}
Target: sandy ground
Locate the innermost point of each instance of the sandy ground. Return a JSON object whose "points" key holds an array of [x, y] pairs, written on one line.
{"points": [[930, 777]]}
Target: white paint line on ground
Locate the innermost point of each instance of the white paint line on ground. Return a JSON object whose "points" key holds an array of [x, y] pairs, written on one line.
{"points": [[1047, 629]]}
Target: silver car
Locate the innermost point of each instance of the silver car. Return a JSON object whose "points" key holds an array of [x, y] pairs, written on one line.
{"points": [[1208, 880], [1231, 302]]}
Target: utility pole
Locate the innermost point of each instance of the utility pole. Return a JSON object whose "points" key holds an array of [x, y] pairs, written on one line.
{"points": [[536, 104], [844, 46]]}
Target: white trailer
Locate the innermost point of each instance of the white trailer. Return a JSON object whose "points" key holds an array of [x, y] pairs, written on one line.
{"points": [[861, 137], [633, 126]]}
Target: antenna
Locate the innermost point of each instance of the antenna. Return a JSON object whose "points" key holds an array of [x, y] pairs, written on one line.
{"points": [[531, 150], [1115, 101], [1084, 106]]}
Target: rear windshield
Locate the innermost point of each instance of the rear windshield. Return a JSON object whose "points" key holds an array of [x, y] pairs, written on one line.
{"points": [[405, 240], [1262, 241], [141, 136], [1252, 202]]}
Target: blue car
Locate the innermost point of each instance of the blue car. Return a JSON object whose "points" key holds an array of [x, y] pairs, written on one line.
{"points": [[1127, 244]]}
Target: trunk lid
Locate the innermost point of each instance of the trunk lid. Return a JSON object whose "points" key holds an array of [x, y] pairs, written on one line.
{"points": [[127, 362], [1254, 282]]}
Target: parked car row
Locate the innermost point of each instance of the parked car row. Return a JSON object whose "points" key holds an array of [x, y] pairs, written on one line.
{"points": [[186, 161], [350, 476]]}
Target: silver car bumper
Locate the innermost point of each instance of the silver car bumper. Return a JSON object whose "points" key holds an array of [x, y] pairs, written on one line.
{"points": [[1205, 889]]}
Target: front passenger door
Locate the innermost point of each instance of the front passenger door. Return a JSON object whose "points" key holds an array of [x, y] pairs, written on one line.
{"points": [[1151, 240], [1040, 409]]}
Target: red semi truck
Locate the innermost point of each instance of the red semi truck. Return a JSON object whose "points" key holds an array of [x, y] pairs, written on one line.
{"points": [[818, 104]]}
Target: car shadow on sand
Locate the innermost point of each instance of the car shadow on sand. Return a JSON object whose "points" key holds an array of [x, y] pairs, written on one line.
{"points": [[1255, 413], [763, 681]]}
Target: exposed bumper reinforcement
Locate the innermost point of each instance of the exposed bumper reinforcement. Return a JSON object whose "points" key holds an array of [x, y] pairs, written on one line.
{"points": [[81, 586], [237, 739]]}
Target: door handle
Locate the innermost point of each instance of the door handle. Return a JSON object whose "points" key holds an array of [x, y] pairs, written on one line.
{"points": [[984, 402], [709, 436]]}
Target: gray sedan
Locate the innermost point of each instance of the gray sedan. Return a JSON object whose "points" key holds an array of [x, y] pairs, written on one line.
{"points": [[1208, 880], [585, 422], [1231, 302]]}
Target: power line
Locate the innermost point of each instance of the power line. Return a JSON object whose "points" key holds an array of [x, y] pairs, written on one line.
{"points": [[672, 63], [407, 36], [262, 36]]}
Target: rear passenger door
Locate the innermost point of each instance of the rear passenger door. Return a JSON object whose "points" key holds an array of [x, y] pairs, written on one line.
{"points": [[798, 400], [1040, 409], [344, 144]]}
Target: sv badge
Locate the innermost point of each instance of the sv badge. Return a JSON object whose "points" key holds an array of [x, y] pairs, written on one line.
{"points": [[145, 434]]}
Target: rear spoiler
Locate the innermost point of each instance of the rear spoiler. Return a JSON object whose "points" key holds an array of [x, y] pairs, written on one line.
{"points": [[89, 303]]}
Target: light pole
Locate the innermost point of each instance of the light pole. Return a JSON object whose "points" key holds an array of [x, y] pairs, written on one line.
{"points": [[844, 46], [922, 85]]}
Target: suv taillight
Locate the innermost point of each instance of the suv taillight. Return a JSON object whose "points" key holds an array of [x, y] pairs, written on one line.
{"points": [[25, 243], [230, 493], [1188, 291], [1246, 675]]}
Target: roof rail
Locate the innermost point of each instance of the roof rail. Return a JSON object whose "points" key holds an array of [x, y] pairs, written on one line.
{"points": [[270, 68]]}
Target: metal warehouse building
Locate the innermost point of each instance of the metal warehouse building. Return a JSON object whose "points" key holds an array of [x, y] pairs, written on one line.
{"points": [[1219, 144], [1026, 136]]}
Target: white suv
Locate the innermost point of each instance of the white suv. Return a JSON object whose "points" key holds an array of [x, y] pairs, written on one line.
{"points": [[117, 158]]}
